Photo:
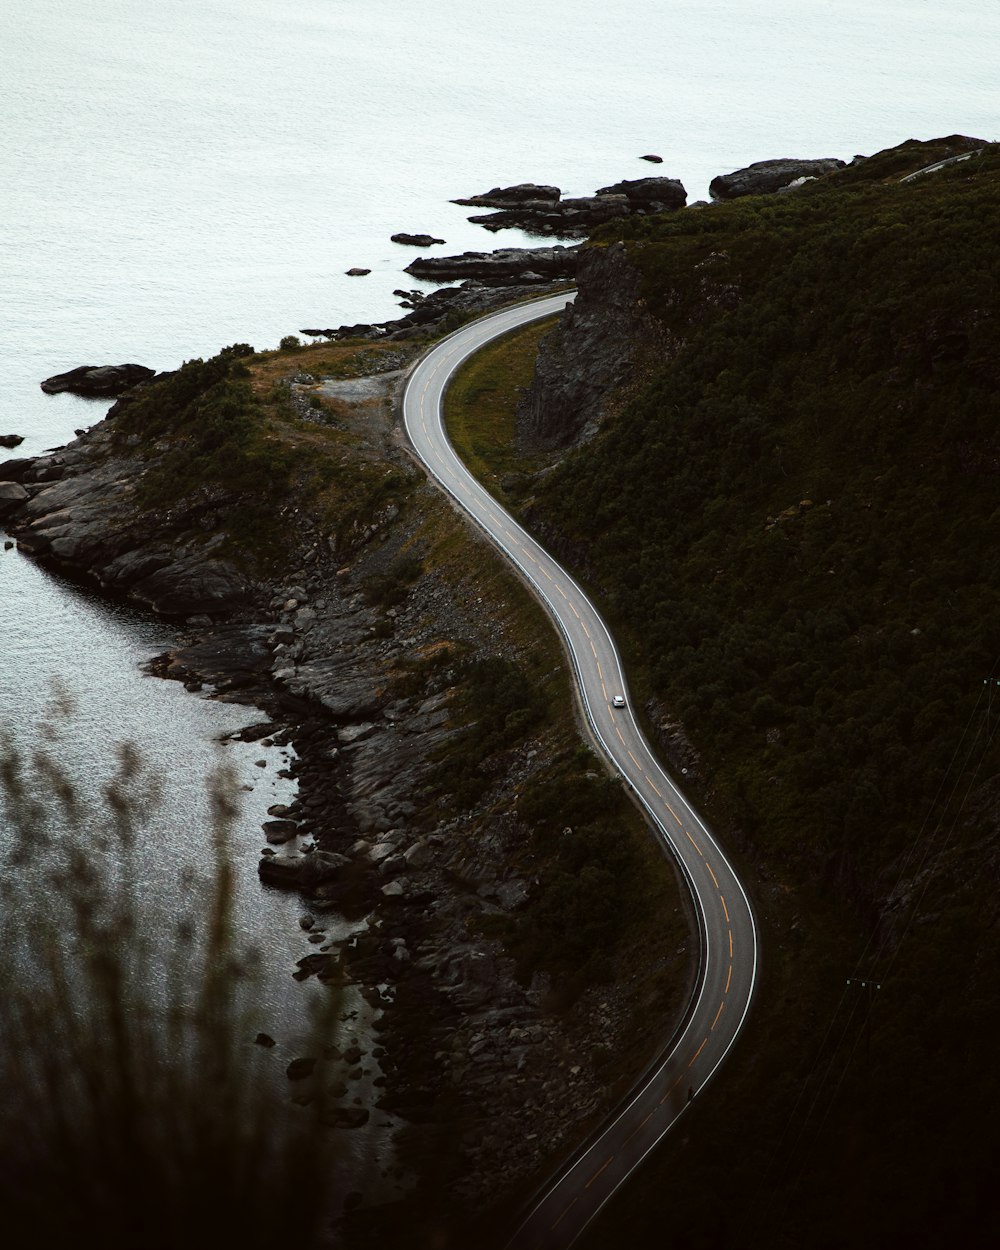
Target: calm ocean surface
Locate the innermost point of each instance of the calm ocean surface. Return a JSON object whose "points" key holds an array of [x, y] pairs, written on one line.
{"points": [[179, 176]]}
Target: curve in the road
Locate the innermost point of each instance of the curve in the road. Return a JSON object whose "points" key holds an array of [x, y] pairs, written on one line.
{"points": [[729, 954]]}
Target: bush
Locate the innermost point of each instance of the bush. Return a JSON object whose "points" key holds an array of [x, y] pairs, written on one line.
{"points": [[290, 343]]}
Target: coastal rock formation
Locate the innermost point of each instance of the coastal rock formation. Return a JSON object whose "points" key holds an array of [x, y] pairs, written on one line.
{"points": [[506, 265], [541, 210], [509, 197], [11, 440], [766, 177], [435, 311], [567, 219], [97, 381], [357, 272], [650, 195], [80, 515]]}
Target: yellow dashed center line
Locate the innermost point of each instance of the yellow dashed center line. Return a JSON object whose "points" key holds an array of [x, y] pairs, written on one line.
{"points": [[620, 738], [670, 1091], [728, 979], [711, 874], [693, 843], [674, 814], [633, 759], [585, 629], [562, 592], [604, 690], [572, 608], [655, 791], [593, 648], [698, 1052], [599, 1171], [642, 1124], [730, 943], [717, 1014], [600, 671], [565, 1211], [724, 907]]}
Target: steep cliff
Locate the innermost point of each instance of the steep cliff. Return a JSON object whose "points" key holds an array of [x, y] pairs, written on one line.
{"points": [[593, 352]]}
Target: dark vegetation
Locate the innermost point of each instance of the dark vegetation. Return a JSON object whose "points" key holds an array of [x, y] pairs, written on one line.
{"points": [[137, 1109], [228, 453], [210, 436], [803, 555]]}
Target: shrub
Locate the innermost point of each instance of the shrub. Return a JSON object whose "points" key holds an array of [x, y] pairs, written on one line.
{"points": [[134, 1099]]}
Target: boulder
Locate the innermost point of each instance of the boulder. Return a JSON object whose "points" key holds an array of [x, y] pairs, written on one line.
{"points": [[357, 272], [284, 873], [298, 1069], [416, 240], [17, 470], [11, 440], [97, 381], [766, 177], [667, 193], [653, 159], [278, 832], [12, 496]]}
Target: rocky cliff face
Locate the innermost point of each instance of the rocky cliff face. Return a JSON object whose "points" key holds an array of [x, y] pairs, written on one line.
{"points": [[594, 351]]}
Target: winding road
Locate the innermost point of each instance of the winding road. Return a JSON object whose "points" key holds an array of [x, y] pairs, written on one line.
{"points": [[728, 945]]}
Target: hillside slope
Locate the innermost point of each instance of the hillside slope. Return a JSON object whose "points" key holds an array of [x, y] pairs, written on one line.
{"points": [[791, 509]]}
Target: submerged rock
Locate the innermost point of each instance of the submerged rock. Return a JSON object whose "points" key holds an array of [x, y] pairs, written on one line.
{"points": [[416, 240]]}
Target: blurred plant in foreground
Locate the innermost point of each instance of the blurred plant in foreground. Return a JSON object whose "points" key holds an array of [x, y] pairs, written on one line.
{"points": [[133, 1102]]}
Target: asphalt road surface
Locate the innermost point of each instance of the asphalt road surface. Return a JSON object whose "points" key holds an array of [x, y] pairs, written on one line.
{"points": [[728, 947]]}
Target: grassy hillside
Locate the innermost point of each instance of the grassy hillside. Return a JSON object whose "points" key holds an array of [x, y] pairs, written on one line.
{"points": [[795, 525]]}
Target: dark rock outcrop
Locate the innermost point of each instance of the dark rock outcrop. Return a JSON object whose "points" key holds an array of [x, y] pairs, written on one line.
{"points": [[416, 240], [509, 264], [508, 197], [766, 177], [524, 208], [652, 158], [81, 517], [589, 353], [357, 272], [567, 219], [11, 440], [649, 195], [98, 381]]}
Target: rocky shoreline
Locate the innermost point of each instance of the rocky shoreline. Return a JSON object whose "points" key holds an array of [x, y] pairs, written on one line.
{"points": [[366, 694]]}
